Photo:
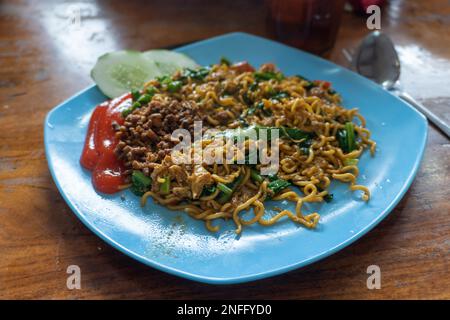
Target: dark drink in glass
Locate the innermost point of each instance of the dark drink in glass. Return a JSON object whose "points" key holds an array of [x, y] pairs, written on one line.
{"points": [[311, 25]]}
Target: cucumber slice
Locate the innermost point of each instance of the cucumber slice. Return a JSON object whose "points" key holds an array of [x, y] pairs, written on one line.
{"points": [[122, 71], [169, 61]]}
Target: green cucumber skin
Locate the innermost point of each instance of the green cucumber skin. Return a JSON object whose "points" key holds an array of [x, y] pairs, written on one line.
{"points": [[141, 67], [119, 72], [169, 61]]}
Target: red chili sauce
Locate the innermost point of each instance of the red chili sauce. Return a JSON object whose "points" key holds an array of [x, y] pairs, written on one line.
{"points": [[98, 153]]}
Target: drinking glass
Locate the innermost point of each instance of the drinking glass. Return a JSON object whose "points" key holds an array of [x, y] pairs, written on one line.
{"points": [[311, 25]]}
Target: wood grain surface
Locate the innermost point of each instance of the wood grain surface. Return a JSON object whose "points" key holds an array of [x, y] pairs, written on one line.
{"points": [[45, 57]]}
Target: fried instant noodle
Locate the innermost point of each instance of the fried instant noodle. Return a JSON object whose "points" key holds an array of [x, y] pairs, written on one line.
{"points": [[319, 141]]}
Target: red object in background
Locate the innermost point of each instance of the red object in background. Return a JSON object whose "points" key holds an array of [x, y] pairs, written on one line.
{"points": [[242, 66], [311, 25], [98, 153], [361, 6]]}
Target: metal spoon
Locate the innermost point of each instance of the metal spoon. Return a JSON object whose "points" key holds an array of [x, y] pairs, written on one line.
{"points": [[377, 60]]}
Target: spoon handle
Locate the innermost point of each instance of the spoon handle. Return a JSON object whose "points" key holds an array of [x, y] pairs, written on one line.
{"points": [[426, 112]]}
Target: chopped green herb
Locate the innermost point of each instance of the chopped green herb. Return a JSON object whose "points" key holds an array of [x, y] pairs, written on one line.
{"points": [[139, 99], [140, 183], [250, 111], [305, 145], [295, 134], [208, 190], [346, 137], [331, 91], [225, 61], [133, 107], [254, 174], [165, 186], [265, 76], [260, 107], [225, 193], [253, 86], [243, 133], [278, 185], [247, 100], [308, 83], [135, 94], [151, 90], [197, 74], [174, 86], [328, 197], [280, 95], [243, 122], [341, 136], [164, 80], [144, 99], [222, 187], [350, 128], [304, 151]]}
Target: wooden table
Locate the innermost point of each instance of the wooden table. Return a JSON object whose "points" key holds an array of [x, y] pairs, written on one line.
{"points": [[46, 54]]}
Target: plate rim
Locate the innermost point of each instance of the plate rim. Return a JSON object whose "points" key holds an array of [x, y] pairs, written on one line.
{"points": [[255, 276]]}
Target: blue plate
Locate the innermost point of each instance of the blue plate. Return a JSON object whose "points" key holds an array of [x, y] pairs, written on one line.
{"points": [[173, 242]]}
